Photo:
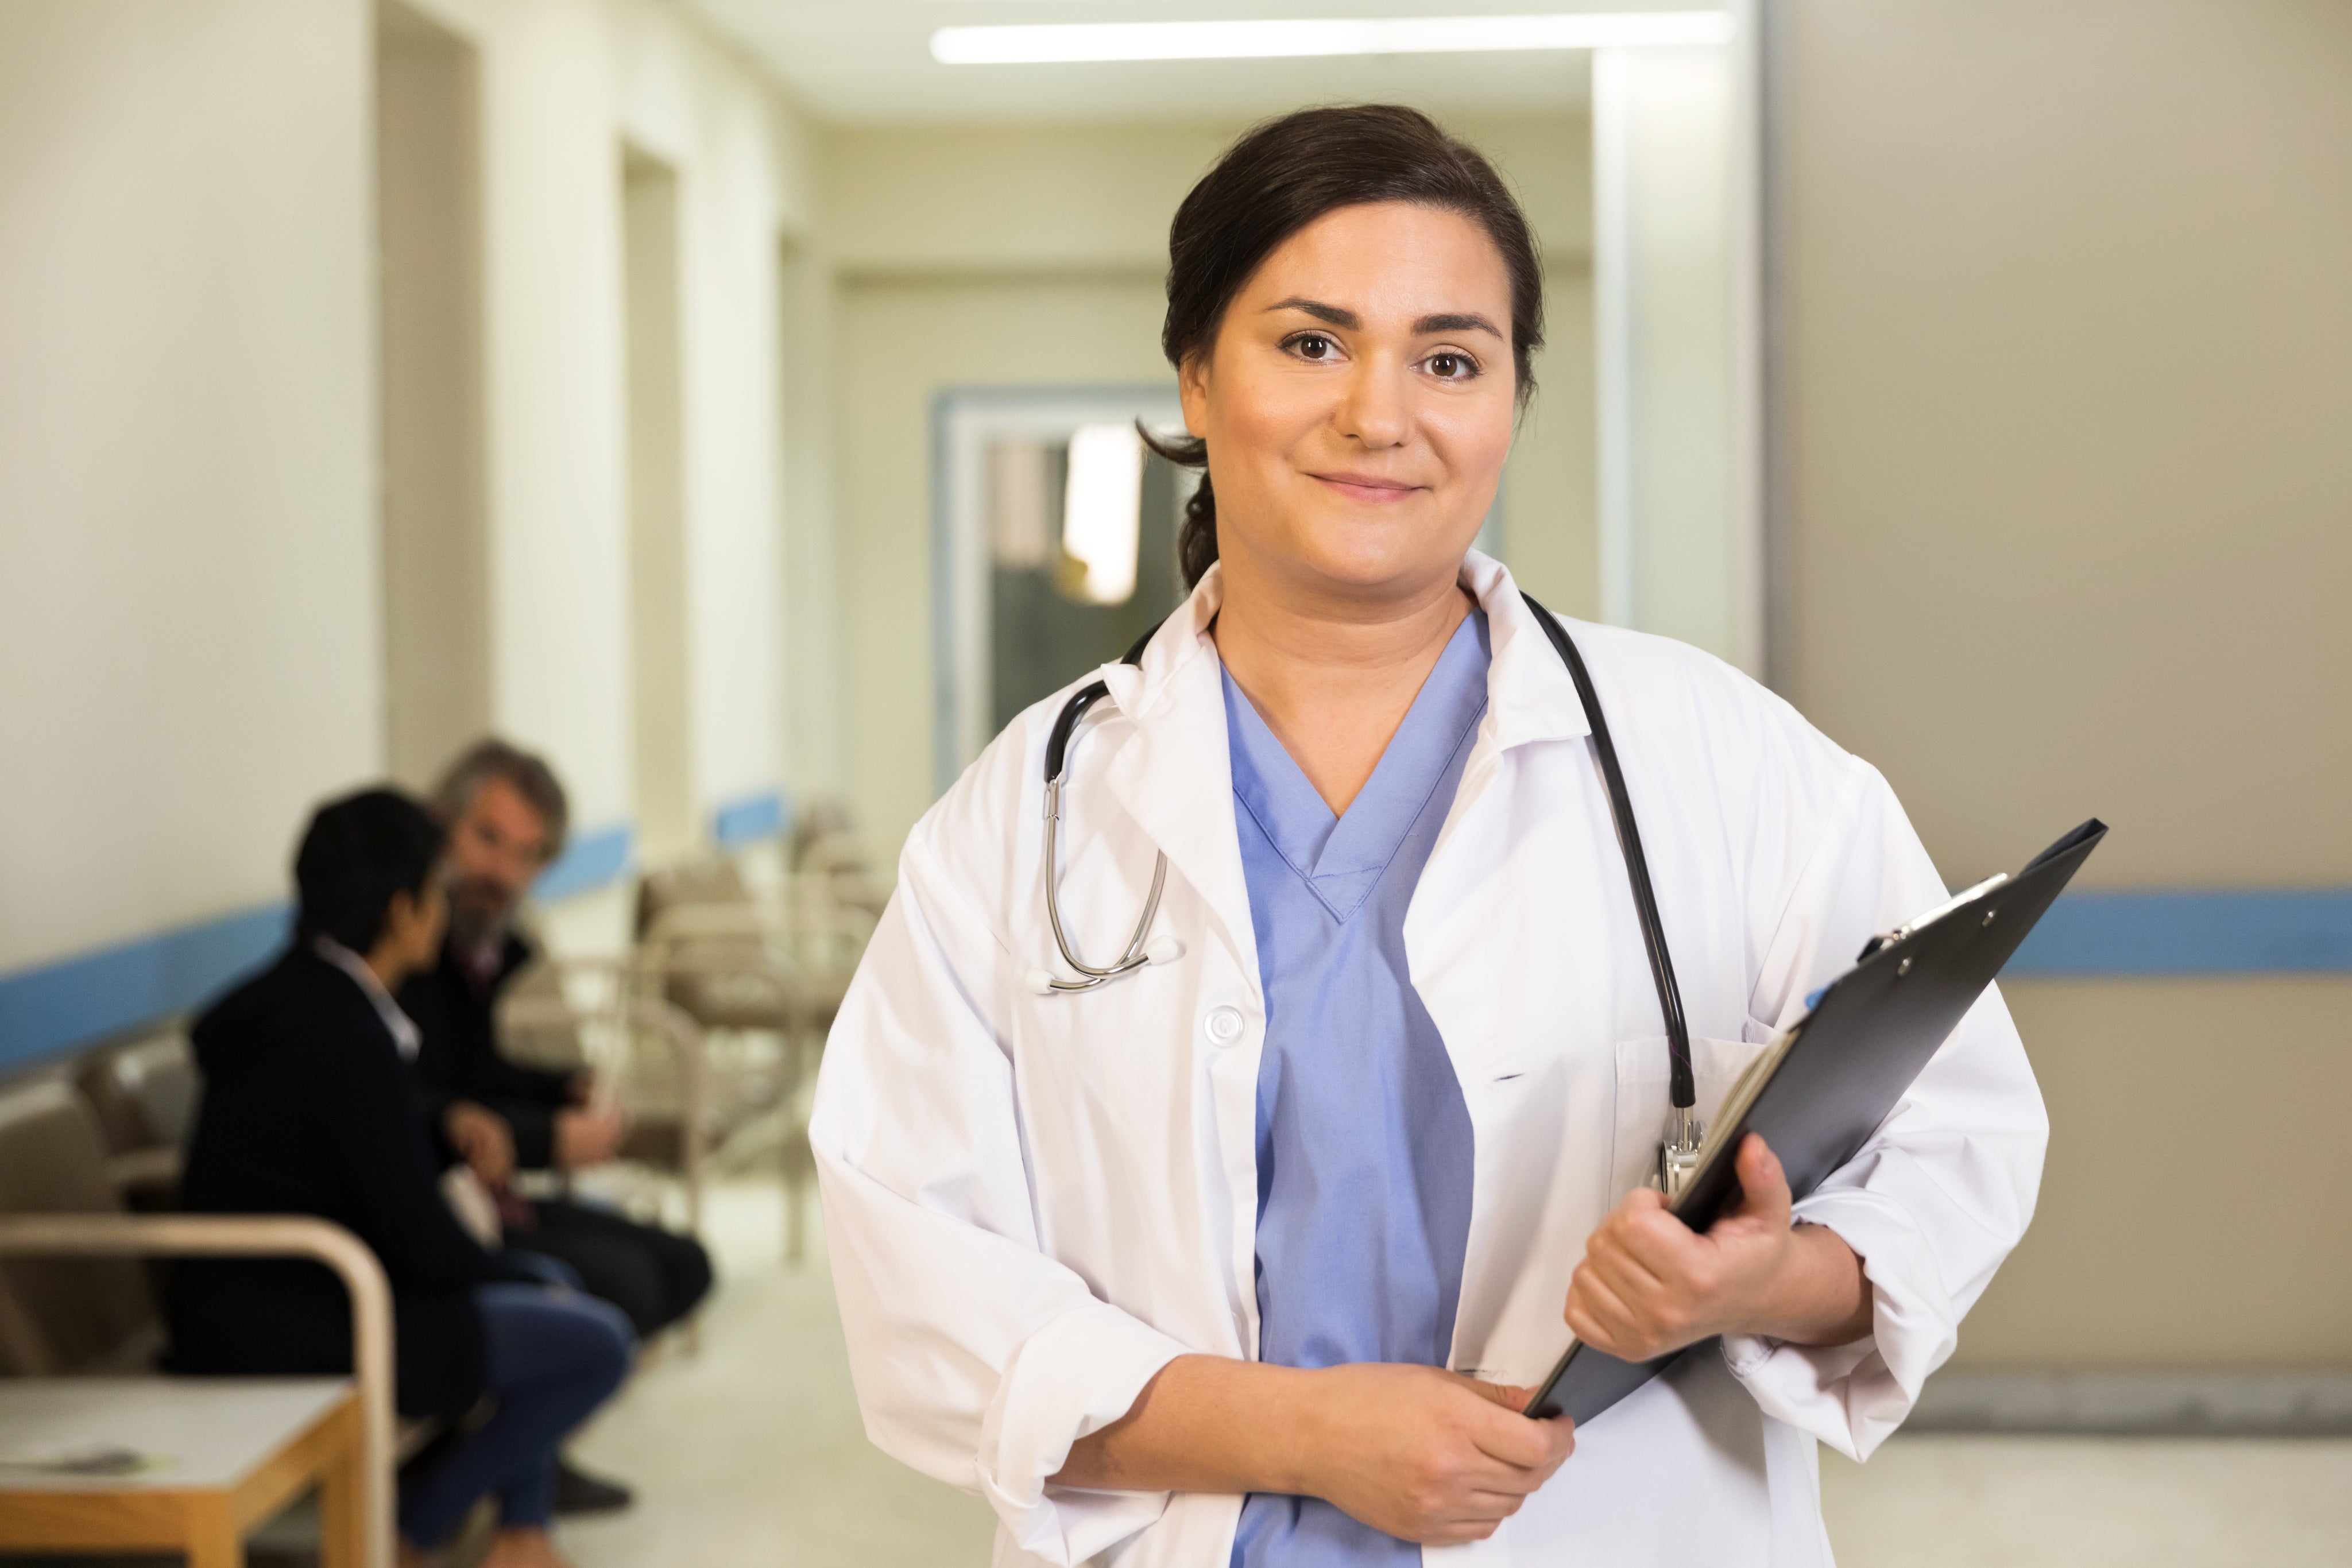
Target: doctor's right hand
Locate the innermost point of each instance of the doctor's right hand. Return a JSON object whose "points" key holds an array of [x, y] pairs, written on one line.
{"points": [[1425, 1455]]}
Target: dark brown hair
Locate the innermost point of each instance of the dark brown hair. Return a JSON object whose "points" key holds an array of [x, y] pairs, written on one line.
{"points": [[356, 853], [1281, 177]]}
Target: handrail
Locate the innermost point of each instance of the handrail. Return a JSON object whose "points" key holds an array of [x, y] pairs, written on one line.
{"points": [[248, 1235]]}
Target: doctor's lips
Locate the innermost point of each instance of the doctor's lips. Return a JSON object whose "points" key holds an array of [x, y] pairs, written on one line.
{"points": [[1369, 487]]}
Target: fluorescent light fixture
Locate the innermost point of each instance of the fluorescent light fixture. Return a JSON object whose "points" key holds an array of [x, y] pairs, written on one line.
{"points": [[1102, 510], [1073, 42]]}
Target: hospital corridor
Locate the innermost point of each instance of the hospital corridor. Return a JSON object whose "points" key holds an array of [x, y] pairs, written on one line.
{"points": [[1272, 784]]}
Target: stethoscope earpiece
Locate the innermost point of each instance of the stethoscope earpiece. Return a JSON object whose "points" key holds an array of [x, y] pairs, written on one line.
{"points": [[1163, 949], [1039, 981]]}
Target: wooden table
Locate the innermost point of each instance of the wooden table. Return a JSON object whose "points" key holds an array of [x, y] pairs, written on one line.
{"points": [[235, 1452]]}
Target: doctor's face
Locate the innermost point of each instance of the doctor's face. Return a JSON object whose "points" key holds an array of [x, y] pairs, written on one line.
{"points": [[1357, 403]]}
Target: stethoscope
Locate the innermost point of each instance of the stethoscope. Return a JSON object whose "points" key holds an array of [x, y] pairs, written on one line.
{"points": [[1678, 1151]]}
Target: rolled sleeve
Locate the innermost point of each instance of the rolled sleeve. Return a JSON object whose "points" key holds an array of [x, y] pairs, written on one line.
{"points": [[1079, 1374], [1941, 1191], [1852, 1396]]}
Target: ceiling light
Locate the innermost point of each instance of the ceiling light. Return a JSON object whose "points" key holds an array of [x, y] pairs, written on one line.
{"points": [[1071, 42], [1102, 516]]}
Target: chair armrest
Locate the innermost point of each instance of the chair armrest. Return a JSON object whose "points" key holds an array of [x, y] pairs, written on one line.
{"points": [[157, 1166], [259, 1236]]}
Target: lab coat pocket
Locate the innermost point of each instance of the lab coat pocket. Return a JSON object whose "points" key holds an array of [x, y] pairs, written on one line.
{"points": [[1642, 1096]]}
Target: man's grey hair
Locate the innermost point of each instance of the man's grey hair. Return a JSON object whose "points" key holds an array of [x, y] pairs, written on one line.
{"points": [[526, 772]]}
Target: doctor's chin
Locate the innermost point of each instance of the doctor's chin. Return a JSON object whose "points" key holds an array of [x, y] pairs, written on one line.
{"points": [[961, 784]]}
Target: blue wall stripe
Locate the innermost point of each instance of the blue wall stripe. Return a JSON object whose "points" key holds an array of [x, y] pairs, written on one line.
{"points": [[93, 995], [2233, 931], [589, 861], [2297, 931], [750, 819], [89, 996]]}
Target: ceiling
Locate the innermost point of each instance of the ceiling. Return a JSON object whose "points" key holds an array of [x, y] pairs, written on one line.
{"points": [[868, 61]]}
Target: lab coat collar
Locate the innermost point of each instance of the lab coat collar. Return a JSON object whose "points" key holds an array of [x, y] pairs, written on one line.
{"points": [[1174, 773], [1529, 694], [1140, 688]]}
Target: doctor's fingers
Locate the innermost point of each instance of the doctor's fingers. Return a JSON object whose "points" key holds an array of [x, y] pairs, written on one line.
{"points": [[1669, 1307], [1521, 1448], [1763, 1184], [1600, 1318], [1639, 1259], [1651, 1250]]}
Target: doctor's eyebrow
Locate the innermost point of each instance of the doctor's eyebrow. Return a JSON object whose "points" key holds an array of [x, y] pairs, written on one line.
{"points": [[1444, 321], [1335, 315], [1462, 322]]}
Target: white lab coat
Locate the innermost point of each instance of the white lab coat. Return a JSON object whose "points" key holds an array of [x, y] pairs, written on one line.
{"points": [[1034, 1203]]}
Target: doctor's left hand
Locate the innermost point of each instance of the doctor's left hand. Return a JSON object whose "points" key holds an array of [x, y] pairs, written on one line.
{"points": [[1650, 1284]]}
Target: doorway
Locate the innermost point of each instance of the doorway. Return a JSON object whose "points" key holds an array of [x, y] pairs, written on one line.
{"points": [[435, 556], [660, 690], [1054, 546]]}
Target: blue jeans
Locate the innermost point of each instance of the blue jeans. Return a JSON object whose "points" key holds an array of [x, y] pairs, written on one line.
{"points": [[550, 1357]]}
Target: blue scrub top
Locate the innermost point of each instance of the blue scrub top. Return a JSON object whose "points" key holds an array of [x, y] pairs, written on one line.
{"points": [[1363, 1139]]}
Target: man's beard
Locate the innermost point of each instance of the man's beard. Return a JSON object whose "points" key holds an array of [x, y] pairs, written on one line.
{"points": [[477, 914]]}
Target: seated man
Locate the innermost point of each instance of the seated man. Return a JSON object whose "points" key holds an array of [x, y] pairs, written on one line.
{"points": [[506, 816], [308, 1108]]}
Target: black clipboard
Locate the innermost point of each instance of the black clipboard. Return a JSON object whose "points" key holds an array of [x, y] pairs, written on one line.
{"points": [[1830, 1080]]}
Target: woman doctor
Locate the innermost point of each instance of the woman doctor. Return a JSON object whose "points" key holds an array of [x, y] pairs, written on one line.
{"points": [[1246, 1256]]}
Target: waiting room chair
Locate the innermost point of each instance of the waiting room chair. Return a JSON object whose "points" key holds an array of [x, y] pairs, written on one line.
{"points": [[733, 965], [208, 1460], [144, 1095]]}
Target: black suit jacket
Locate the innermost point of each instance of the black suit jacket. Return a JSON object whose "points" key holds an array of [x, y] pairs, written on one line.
{"points": [[460, 1059], [309, 1109]]}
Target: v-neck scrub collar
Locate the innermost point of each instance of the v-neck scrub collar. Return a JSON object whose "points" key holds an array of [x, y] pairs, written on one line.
{"points": [[1341, 858]]}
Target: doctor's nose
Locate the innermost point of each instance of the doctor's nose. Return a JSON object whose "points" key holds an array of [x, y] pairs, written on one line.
{"points": [[1372, 412]]}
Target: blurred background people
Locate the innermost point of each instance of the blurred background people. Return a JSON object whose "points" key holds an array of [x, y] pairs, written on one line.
{"points": [[309, 1108], [506, 816]]}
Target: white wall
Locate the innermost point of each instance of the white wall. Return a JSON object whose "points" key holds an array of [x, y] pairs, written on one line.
{"points": [[188, 570], [189, 595]]}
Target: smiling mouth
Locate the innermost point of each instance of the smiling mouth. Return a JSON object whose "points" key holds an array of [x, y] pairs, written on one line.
{"points": [[1366, 488]]}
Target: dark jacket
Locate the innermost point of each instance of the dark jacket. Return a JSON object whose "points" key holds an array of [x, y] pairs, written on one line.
{"points": [[460, 1060], [309, 1109]]}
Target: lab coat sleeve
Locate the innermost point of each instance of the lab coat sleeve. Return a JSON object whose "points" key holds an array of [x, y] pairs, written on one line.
{"points": [[978, 1359], [1944, 1188]]}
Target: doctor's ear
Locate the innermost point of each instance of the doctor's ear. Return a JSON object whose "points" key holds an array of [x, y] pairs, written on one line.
{"points": [[1192, 390]]}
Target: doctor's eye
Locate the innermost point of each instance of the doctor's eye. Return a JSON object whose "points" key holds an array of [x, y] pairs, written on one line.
{"points": [[1452, 365], [1315, 345]]}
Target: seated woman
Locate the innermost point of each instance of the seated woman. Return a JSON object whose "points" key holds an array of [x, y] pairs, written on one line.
{"points": [[308, 1108]]}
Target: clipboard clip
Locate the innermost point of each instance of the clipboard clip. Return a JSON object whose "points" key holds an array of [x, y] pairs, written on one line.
{"points": [[1678, 1151], [1929, 918]]}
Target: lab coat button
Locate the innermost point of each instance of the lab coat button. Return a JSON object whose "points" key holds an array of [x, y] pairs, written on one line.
{"points": [[1224, 1025]]}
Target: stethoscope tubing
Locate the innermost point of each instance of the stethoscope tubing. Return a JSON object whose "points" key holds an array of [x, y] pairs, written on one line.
{"points": [[1683, 1089], [1133, 957]]}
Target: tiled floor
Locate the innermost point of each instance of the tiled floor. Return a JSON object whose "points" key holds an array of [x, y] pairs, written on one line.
{"points": [[750, 1455]]}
